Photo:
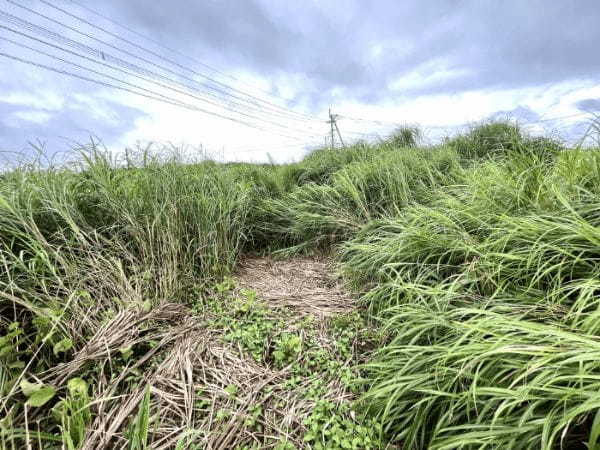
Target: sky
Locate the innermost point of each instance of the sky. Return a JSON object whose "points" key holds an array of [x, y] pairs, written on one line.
{"points": [[255, 79]]}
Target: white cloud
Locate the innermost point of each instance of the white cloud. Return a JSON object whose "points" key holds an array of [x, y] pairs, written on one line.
{"points": [[232, 141], [449, 111], [96, 106], [429, 74], [43, 99], [32, 116]]}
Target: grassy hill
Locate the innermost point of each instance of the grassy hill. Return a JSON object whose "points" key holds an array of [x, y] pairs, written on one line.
{"points": [[475, 261]]}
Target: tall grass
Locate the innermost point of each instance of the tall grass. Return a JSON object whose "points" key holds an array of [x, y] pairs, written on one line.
{"points": [[480, 377], [322, 215], [488, 296], [498, 138], [478, 259], [78, 249]]}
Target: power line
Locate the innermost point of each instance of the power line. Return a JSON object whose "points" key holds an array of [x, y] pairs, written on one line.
{"points": [[169, 49], [570, 116], [159, 96], [116, 48], [267, 104], [125, 72], [132, 55], [132, 91], [104, 57]]}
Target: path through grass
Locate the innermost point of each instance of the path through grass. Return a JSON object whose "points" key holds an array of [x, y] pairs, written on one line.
{"points": [[260, 362]]}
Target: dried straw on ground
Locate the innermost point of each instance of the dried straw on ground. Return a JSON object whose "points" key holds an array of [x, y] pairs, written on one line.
{"points": [[194, 367], [303, 283]]}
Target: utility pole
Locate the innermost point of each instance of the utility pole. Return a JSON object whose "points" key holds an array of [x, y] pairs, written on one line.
{"points": [[339, 134], [333, 124]]}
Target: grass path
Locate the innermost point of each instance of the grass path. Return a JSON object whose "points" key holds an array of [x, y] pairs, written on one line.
{"points": [[303, 284], [267, 361]]}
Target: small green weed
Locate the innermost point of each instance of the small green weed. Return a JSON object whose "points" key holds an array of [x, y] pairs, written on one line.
{"points": [[138, 432], [73, 414], [332, 426], [288, 347], [11, 356]]}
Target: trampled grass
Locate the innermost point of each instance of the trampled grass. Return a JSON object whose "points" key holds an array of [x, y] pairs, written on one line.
{"points": [[476, 263]]}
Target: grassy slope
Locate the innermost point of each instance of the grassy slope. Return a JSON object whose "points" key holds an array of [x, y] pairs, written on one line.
{"points": [[477, 260]]}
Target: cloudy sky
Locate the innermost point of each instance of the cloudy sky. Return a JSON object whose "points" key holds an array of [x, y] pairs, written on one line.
{"points": [[248, 78]]}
